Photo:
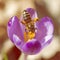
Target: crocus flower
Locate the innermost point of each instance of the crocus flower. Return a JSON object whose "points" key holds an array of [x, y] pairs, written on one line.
{"points": [[43, 35]]}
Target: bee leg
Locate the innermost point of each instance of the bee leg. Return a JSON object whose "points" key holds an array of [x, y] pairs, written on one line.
{"points": [[25, 30], [26, 35], [36, 19], [23, 22], [36, 29]]}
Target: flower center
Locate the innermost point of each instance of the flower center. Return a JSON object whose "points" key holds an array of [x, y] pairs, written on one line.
{"points": [[28, 36]]}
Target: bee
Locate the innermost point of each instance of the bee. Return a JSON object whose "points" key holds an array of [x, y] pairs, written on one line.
{"points": [[29, 25]]}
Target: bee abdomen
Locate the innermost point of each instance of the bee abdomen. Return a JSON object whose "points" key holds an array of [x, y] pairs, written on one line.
{"points": [[26, 15]]}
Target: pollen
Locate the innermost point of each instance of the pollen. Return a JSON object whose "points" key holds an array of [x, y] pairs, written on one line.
{"points": [[31, 35], [28, 36]]}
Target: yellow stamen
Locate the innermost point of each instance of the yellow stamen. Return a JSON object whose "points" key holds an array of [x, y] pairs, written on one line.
{"points": [[29, 36]]}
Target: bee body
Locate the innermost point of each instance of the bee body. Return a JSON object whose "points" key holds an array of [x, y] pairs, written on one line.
{"points": [[28, 22], [29, 26]]}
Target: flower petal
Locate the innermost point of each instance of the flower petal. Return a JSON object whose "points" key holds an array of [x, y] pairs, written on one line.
{"points": [[31, 47], [17, 41], [32, 13], [22, 26], [45, 29], [14, 28]]}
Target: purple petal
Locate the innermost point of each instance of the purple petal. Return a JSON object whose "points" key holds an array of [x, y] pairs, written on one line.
{"points": [[45, 30], [17, 41], [22, 26], [31, 47], [14, 28], [32, 13]]}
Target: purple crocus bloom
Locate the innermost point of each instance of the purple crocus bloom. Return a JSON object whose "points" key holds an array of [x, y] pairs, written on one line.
{"points": [[43, 34]]}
